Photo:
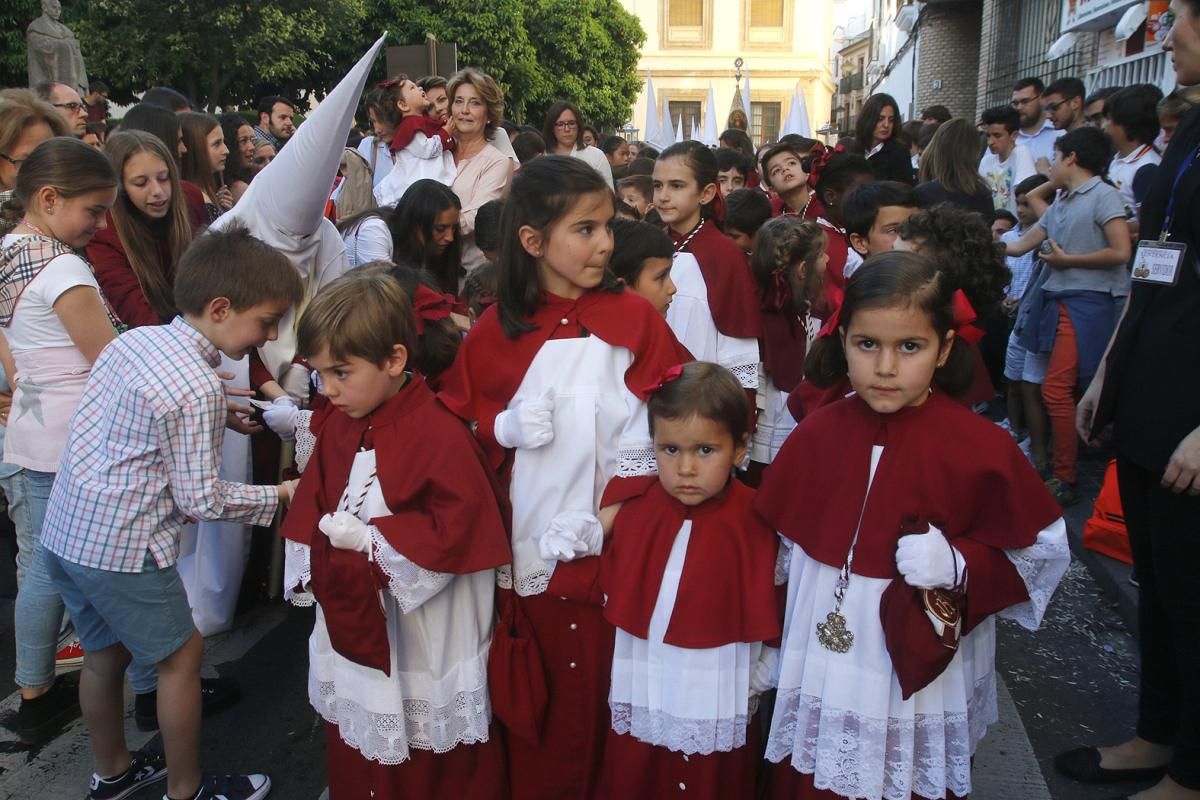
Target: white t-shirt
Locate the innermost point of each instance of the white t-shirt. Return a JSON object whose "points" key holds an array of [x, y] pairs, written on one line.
{"points": [[34, 323], [595, 159], [370, 240], [1123, 169], [382, 155], [1002, 177]]}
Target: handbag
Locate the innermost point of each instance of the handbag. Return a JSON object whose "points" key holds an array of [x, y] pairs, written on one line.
{"points": [[516, 676]]}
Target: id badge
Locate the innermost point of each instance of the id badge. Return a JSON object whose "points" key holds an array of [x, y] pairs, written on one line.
{"points": [[1158, 262]]}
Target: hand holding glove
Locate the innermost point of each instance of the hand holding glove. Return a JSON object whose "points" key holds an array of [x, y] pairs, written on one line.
{"points": [[346, 531], [929, 561], [528, 424], [281, 417], [571, 535]]}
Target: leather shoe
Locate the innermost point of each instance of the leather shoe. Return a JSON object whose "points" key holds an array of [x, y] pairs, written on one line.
{"points": [[1083, 764]]}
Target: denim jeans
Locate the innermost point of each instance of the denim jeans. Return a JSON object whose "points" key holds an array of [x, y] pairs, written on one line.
{"points": [[18, 511], [38, 614]]}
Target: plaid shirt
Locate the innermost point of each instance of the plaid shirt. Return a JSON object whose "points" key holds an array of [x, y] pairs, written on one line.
{"points": [[1021, 266], [144, 453]]}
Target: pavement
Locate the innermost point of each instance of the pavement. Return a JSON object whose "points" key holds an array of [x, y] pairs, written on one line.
{"points": [[1071, 683]]}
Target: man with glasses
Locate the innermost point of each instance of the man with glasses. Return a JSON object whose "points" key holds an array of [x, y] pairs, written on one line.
{"points": [[1093, 106], [1062, 103], [1036, 133], [68, 103]]}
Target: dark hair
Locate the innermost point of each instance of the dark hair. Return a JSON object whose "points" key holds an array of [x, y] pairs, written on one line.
{"points": [[487, 224], [432, 82], [589, 129], [479, 289], [98, 86], [1135, 108], [196, 166], [738, 141], [1027, 83], [1029, 184], [779, 246], [642, 184], [647, 152], [959, 243], [412, 232], [952, 159], [1006, 215], [861, 207], [235, 168], [731, 159], [623, 210], [233, 264], [438, 344], [528, 146], [1091, 147], [364, 313], [911, 131], [937, 112], [267, 104], [746, 210], [642, 165], [1007, 116], [167, 98], [1102, 95], [926, 134], [157, 120], [612, 144], [803, 144], [98, 129], [1067, 88], [65, 163], [892, 280], [704, 390], [382, 100], [552, 116], [703, 165], [869, 115], [633, 243], [540, 194], [841, 170]]}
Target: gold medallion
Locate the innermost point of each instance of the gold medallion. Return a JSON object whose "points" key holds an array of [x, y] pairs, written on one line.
{"points": [[833, 633]]}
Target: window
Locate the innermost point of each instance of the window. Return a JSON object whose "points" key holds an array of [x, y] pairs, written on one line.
{"points": [[690, 112], [764, 121], [766, 13], [686, 13]]}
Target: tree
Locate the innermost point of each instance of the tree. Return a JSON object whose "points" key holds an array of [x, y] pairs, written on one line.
{"points": [[15, 16], [218, 52]]}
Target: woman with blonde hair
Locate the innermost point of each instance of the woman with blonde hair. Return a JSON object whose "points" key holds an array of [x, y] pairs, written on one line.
{"points": [[148, 230], [483, 172], [950, 170]]}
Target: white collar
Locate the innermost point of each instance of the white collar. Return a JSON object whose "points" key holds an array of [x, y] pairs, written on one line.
{"points": [[1135, 155]]}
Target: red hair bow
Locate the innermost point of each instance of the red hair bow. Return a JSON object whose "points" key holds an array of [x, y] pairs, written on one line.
{"points": [[834, 320], [390, 84], [819, 162], [429, 306], [964, 316], [670, 375], [779, 295]]}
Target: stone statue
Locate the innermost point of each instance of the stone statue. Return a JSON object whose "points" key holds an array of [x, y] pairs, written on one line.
{"points": [[53, 52]]}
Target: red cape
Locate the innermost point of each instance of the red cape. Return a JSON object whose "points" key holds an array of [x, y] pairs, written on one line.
{"points": [[727, 590], [420, 123], [489, 366], [732, 293], [445, 513], [941, 464]]}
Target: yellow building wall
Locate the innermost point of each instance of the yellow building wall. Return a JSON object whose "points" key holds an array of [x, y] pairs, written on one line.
{"points": [[683, 62]]}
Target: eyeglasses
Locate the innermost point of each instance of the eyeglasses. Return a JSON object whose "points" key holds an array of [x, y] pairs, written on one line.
{"points": [[72, 107], [1050, 108], [566, 125], [16, 162]]}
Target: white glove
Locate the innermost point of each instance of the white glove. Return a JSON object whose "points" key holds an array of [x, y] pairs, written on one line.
{"points": [[294, 381], [281, 417], [764, 676], [571, 535], [929, 561], [346, 531], [528, 425]]}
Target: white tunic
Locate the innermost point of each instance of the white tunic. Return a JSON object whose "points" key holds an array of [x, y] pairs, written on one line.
{"points": [[439, 628], [599, 426], [840, 716], [423, 157], [685, 699], [690, 317]]}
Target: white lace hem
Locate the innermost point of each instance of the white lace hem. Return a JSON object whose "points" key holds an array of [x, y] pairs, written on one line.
{"points": [[297, 574], [635, 462], [387, 738], [691, 736], [843, 750], [306, 440], [411, 585], [1041, 566], [746, 374]]}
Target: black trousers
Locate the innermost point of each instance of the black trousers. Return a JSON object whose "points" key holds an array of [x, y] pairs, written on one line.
{"points": [[1164, 534]]}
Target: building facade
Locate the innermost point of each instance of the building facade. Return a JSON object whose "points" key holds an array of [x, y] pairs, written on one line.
{"points": [[691, 44]]}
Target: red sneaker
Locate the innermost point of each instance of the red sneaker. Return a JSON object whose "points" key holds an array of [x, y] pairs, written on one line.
{"points": [[68, 658]]}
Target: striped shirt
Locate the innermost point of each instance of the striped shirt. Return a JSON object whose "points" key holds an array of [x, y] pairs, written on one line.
{"points": [[143, 455]]}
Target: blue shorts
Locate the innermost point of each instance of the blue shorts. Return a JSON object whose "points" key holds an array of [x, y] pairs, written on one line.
{"points": [[1022, 365], [146, 611]]}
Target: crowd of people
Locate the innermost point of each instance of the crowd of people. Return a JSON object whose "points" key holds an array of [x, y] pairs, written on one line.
{"points": [[472, 368]]}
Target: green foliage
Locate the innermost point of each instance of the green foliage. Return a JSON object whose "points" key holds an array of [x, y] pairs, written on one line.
{"points": [[15, 16]]}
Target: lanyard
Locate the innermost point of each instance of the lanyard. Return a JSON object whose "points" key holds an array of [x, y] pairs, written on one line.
{"points": [[1183, 170]]}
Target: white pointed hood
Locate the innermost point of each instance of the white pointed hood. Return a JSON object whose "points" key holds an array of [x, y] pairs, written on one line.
{"points": [[285, 204]]}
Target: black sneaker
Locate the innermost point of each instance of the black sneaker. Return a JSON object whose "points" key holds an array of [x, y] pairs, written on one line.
{"points": [[42, 717], [145, 769], [232, 787], [216, 694]]}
